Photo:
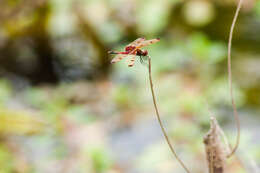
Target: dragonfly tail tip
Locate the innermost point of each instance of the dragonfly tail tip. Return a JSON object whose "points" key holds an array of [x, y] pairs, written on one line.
{"points": [[111, 52]]}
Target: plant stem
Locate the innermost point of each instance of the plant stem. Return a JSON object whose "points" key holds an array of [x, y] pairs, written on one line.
{"points": [[160, 122], [230, 79], [215, 149]]}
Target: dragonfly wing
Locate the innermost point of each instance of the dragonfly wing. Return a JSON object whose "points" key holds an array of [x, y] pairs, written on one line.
{"points": [[147, 42], [136, 42], [132, 61], [118, 58]]}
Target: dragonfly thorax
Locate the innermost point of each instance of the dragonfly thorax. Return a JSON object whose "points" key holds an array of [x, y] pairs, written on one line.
{"points": [[140, 52], [129, 48]]}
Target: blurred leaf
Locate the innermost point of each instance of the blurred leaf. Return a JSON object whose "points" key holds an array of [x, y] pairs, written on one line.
{"points": [[149, 25], [62, 21], [123, 96], [51, 102], [198, 13], [80, 114], [100, 160], [152, 157], [20, 123], [218, 93], [184, 131], [257, 8], [6, 160], [37, 97], [205, 49], [5, 91], [191, 103]]}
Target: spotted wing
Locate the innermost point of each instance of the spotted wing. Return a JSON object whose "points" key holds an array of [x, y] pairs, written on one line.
{"points": [[131, 61], [147, 43], [137, 42], [118, 58]]}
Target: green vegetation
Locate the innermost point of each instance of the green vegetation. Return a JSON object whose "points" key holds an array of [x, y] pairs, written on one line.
{"points": [[64, 108]]}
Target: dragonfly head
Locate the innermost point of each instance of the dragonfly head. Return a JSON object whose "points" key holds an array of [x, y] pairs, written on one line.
{"points": [[145, 53]]}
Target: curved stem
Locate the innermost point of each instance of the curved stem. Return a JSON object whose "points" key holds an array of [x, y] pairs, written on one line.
{"points": [[159, 119], [230, 79]]}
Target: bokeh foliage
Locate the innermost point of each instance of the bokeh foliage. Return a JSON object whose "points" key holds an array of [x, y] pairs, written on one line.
{"points": [[64, 108]]}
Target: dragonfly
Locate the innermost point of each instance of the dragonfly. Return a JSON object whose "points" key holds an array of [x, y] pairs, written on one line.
{"points": [[133, 50]]}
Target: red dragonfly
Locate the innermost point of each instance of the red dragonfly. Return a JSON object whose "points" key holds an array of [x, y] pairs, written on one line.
{"points": [[132, 50]]}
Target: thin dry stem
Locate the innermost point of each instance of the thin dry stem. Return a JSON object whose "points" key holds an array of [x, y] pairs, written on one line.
{"points": [[230, 79], [215, 150], [159, 119]]}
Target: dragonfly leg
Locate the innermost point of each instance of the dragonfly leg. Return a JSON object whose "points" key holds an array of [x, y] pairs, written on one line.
{"points": [[141, 60]]}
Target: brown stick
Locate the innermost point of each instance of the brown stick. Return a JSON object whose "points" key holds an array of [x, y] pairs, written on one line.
{"points": [[230, 79], [160, 122], [215, 150]]}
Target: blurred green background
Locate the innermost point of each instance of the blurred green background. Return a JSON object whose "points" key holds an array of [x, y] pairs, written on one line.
{"points": [[65, 109]]}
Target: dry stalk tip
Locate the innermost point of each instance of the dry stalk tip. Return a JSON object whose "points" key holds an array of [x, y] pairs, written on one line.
{"points": [[215, 150]]}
